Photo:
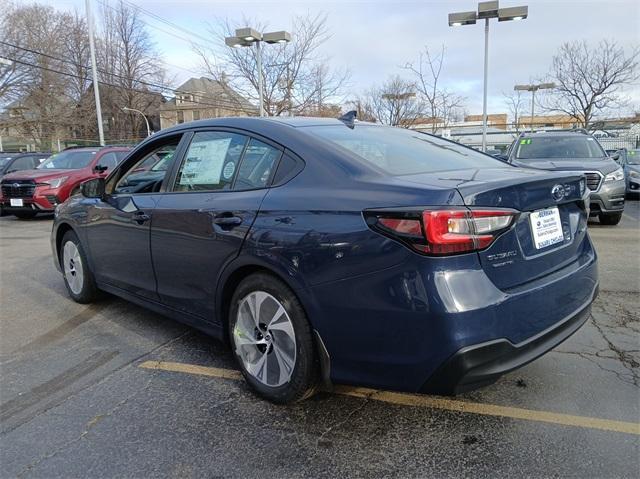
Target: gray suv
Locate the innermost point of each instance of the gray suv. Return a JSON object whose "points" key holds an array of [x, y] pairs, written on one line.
{"points": [[575, 151]]}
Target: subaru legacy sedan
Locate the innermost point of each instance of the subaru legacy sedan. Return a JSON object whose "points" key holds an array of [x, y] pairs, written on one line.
{"points": [[335, 251]]}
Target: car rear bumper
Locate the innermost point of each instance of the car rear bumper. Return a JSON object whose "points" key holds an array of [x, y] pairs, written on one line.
{"points": [[396, 328], [481, 364]]}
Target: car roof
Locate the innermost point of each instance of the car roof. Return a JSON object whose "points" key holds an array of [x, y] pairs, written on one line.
{"points": [[256, 123], [556, 133]]}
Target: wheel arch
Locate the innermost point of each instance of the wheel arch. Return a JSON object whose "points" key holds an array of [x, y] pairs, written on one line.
{"points": [[62, 229], [229, 281]]}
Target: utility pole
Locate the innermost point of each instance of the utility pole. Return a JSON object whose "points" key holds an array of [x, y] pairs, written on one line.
{"points": [[94, 70]]}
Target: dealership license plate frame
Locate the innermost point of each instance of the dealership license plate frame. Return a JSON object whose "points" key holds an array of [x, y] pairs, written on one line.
{"points": [[546, 227], [17, 202]]}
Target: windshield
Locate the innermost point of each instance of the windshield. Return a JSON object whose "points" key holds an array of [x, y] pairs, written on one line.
{"points": [[4, 160], [559, 147], [633, 157], [398, 151], [69, 160]]}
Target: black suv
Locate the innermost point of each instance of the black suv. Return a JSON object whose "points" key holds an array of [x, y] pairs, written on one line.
{"points": [[575, 151]]}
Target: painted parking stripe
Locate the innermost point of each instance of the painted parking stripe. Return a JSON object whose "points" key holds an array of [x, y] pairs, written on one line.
{"points": [[432, 402]]}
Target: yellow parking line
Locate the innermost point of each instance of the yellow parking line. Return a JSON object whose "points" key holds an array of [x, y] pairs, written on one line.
{"points": [[192, 369], [433, 402]]}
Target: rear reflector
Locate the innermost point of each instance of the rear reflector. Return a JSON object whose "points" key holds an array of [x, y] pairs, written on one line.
{"points": [[445, 232]]}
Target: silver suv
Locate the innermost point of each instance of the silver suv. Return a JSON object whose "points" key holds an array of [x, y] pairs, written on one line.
{"points": [[575, 151]]}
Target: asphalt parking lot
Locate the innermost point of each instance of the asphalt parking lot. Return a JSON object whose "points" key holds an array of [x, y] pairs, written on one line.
{"points": [[112, 390]]}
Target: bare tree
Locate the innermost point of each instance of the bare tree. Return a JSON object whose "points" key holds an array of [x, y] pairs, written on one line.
{"points": [[515, 103], [296, 78], [37, 77], [127, 62], [589, 79], [441, 103], [394, 103], [14, 75]]}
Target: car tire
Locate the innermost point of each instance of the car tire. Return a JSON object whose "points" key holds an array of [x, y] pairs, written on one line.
{"points": [[610, 219], [25, 215], [78, 278], [273, 342]]}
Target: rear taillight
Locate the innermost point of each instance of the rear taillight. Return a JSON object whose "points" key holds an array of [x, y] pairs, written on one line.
{"points": [[444, 232]]}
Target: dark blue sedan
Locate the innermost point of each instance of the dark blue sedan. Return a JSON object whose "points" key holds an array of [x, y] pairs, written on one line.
{"points": [[332, 251]]}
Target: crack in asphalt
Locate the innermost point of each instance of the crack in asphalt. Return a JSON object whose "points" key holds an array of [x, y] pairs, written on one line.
{"points": [[321, 441], [626, 359]]}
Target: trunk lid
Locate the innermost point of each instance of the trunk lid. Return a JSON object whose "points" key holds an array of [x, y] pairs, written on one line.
{"points": [[514, 259]]}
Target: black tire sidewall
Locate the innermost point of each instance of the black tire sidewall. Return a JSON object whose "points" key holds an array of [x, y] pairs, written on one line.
{"points": [[610, 219], [305, 372], [88, 292]]}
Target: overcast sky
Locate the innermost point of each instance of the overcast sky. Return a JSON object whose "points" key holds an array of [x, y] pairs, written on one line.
{"points": [[372, 38]]}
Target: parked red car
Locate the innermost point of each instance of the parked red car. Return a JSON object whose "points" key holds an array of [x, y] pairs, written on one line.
{"points": [[29, 192]]}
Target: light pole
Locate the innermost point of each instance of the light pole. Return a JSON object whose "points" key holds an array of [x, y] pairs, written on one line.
{"points": [[533, 89], [94, 70], [486, 11], [124, 108], [246, 37]]}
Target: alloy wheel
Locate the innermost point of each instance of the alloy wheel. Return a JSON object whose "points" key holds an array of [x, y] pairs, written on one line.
{"points": [[264, 339], [73, 271]]}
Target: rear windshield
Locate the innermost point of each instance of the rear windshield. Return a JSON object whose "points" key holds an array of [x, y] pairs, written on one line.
{"points": [[398, 151], [69, 160], [559, 147]]}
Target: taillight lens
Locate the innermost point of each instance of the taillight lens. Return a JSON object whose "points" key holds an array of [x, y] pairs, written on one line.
{"points": [[445, 232]]}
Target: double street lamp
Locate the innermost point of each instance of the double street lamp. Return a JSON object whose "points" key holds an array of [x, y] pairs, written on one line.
{"points": [[486, 11], [246, 37], [533, 89]]}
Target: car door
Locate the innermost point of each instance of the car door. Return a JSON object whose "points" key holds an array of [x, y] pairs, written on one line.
{"points": [[200, 225], [118, 227]]}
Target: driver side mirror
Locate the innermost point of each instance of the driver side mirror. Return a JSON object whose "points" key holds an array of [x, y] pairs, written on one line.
{"points": [[100, 169], [93, 188], [616, 157]]}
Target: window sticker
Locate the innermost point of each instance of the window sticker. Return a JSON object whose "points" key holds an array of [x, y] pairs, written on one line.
{"points": [[203, 165], [525, 141], [228, 170]]}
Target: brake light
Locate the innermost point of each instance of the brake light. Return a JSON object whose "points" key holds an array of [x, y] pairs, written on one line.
{"points": [[445, 232]]}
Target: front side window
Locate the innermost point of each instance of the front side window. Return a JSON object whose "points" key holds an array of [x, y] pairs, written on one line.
{"points": [[397, 151], [69, 160], [147, 174], [558, 147], [109, 160], [211, 161]]}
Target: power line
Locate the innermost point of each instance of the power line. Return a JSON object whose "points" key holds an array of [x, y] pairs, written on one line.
{"points": [[165, 21], [192, 42], [218, 102]]}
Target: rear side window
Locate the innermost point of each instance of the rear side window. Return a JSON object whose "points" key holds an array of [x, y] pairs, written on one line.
{"points": [[257, 164], [211, 161], [397, 151]]}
